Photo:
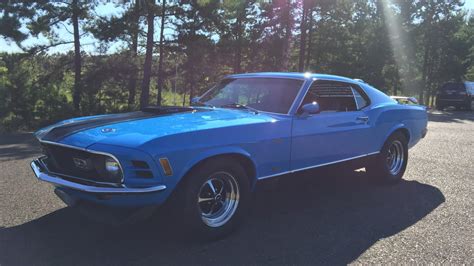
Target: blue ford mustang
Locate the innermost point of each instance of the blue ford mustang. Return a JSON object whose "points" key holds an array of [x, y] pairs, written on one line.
{"points": [[207, 158]]}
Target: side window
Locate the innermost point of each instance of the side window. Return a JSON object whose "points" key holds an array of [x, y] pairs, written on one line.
{"points": [[334, 96]]}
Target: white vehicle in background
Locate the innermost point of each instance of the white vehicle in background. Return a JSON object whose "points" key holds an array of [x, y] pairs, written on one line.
{"points": [[405, 100]]}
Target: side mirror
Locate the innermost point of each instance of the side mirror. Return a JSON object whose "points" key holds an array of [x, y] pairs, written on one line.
{"points": [[310, 109], [413, 100], [195, 99]]}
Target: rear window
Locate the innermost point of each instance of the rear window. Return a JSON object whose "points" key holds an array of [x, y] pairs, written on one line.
{"points": [[453, 87]]}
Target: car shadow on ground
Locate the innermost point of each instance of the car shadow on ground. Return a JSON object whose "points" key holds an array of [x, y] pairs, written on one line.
{"points": [[18, 146], [311, 218], [450, 116]]}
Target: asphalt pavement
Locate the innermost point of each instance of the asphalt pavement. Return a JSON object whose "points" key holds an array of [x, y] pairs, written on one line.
{"points": [[318, 217]]}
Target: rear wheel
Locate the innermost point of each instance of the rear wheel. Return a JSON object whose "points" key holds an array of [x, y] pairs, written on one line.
{"points": [[389, 165], [214, 198]]}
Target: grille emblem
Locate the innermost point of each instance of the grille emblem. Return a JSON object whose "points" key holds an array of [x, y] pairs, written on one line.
{"points": [[80, 163]]}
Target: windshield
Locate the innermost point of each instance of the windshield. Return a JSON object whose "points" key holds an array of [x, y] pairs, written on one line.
{"points": [[274, 95]]}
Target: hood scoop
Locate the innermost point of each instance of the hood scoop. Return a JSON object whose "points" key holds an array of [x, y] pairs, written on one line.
{"points": [[62, 131], [167, 109]]}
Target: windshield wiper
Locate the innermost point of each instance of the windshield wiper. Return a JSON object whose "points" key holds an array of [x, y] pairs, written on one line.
{"points": [[239, 106], [202, 104]]}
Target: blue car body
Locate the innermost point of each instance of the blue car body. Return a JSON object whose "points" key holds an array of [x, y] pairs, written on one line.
{"points": [[268, 144]]}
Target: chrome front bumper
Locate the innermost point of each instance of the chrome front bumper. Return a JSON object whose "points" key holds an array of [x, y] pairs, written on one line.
{"points": [[42, 174]]}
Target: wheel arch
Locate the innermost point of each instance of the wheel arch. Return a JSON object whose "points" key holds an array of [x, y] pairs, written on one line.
{"points": [[398, 128], [404, 131], [242, 158]]}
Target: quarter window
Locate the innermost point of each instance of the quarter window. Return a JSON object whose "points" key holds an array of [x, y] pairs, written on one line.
{"points": [[360, 99]]}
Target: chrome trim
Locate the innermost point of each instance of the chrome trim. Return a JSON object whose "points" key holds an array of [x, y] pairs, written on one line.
{"points": [[292, 111], [227, 196], [318, 165], [91, 189], [87, 150], [355, 100], [45, 167], [395, 157], [263, 75], [364, 119]]}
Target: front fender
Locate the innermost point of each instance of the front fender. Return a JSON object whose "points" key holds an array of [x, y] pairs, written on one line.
{"points": [[205, 154], [182, 161]]}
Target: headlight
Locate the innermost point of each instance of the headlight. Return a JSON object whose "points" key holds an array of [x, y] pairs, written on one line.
{"points": [[112, 167]]}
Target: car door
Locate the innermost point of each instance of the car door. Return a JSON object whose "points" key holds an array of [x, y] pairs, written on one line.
{"points": [[339, 132]]}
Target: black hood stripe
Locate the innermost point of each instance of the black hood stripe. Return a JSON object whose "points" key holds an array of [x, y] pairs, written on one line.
{"points": [[60, 132]]}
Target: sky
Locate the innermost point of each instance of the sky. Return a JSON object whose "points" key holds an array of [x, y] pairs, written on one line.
{"points": [[89, 44]]}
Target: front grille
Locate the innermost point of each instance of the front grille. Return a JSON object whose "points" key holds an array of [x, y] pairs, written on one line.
{"points": [[75, 163]]}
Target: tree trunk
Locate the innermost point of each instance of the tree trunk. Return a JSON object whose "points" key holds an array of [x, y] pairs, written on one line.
{"points": [[310, 38], [144, 98], [287, 42], [238, 52], [424, 75], [184, 98], [76, 97], [160, 64], [303, 37], [132, 82], [427, 53], [191, 91]]}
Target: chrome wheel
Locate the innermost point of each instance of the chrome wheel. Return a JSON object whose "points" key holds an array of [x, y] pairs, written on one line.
{"points": [[218, 199], [395, 157]]}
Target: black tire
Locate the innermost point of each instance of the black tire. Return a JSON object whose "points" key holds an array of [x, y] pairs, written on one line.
{"points": [[439, 107], [382, 169], [196, 182]]}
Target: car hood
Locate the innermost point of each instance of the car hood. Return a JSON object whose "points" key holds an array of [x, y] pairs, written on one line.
{"points": [[136, 132]]}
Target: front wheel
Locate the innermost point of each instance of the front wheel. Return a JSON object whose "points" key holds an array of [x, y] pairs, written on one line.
{"points": [[214, 198], [389, 165]]}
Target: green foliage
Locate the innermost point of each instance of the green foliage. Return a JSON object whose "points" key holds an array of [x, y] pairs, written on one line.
{"points": [[407, 47]]}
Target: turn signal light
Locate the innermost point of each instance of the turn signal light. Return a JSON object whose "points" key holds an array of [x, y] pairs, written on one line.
{"points": [[165, 164]]}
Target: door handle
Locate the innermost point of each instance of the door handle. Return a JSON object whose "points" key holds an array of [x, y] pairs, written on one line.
{"points": [[364, 119]]}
